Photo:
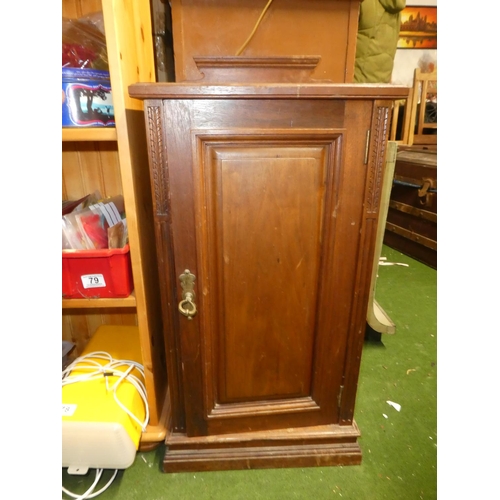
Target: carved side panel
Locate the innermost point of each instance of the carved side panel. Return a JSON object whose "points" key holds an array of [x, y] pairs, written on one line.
{"points": [[377, 156], [160, 185], [157, 159]]}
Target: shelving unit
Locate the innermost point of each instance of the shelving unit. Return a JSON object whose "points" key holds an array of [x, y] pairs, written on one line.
{"points": [[99, 303], [115, 161], [89, 134]]}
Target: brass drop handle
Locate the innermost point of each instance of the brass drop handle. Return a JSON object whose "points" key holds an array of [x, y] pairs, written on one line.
{"points": [[187, 307]]}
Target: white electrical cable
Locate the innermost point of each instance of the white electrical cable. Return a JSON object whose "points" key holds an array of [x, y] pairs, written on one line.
{"points": [[111, 368], [96, 370], [90, 492]]}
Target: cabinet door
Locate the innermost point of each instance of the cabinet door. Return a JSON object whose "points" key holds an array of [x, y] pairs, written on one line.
{"points": [[263, 204]]}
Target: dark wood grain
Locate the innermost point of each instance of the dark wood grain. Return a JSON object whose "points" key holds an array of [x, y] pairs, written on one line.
{"points": [[188, 90], [317, 446], [412, 217], [269, 195]]}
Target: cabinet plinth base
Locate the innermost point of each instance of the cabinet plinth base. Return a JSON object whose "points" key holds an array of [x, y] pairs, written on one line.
{"points": [[306, 447]]}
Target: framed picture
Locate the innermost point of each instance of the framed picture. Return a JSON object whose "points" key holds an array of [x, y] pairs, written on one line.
{"points": [[418, 28]]}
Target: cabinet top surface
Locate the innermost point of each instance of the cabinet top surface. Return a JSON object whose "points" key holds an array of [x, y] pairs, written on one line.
{"points": [[190, 90]]}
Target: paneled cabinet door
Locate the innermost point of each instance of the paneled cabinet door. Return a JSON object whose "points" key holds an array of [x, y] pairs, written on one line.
{"points": [[266, 204]]}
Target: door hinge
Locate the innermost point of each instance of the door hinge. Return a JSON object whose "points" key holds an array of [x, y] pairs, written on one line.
{"points": [[339, 397], [367, 145]]}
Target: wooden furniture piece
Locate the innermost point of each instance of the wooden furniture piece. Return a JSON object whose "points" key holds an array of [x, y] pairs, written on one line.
{"points": [[412, 122], [224, 31], [398, 133], [424, 91], [266, 201], [411, 224], [412, 218], [114, 161], [378, 320]]}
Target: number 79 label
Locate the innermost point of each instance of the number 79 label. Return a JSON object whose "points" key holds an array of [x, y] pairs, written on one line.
{"points": [[93, 281]]}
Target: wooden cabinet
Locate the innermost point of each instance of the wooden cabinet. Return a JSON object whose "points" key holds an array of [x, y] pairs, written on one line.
{"points": [[266, 202], [211, 37], [114, 161]]}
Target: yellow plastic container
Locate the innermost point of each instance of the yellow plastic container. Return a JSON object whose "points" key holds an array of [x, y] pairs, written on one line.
{"points": [[96, 431]]}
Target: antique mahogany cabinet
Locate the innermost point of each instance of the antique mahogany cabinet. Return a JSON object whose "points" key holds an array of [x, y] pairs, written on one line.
{"points": [[266, 201]]}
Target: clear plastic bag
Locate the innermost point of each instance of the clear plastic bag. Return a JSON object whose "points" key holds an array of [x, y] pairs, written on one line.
{"points": [[84, 43]]}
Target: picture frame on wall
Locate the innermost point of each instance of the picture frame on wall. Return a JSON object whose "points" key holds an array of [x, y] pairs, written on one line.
{"points": [[418, 28]]}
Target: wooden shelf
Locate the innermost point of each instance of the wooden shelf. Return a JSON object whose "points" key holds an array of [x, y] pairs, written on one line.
{"points": [[112, 161], [129, 301], [88, 134]]}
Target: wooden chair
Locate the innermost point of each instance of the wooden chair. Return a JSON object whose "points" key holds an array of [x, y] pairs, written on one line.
{"points": [[424, 91], [394, 134], [415, 122]]}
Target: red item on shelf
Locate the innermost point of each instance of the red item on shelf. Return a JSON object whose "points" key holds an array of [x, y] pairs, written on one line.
{"points": [[77, 56], [88, 274]]}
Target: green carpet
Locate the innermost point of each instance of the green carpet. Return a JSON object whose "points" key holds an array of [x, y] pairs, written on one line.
{"points": [[399, 447]]}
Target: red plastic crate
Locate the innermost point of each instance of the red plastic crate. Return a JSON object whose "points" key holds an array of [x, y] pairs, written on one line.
{"points": [[89, 274]]}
